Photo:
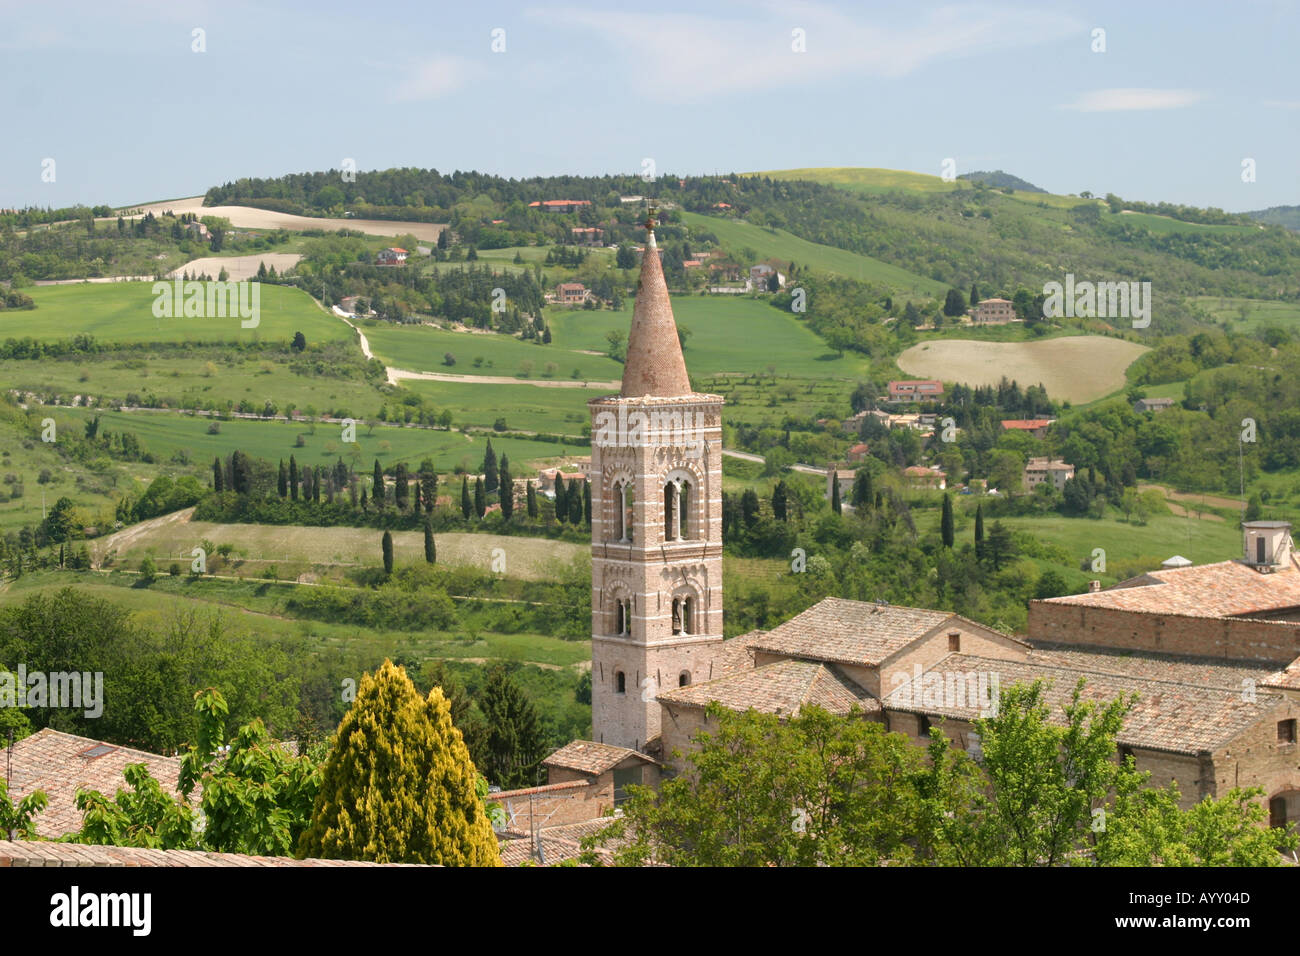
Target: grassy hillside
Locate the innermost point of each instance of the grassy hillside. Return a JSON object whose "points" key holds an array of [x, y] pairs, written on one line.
{"points": [[123, 312], [779, 244]]}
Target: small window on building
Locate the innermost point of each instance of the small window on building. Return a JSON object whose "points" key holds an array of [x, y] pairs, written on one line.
{"points": [[683, 678], [1125, 753], [923, 725], [1286, 731], [954, 642], [620, 683]]}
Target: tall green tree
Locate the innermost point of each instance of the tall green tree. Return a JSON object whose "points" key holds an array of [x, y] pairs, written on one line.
{"points": [[480, 498], [429, 484], [387, 544], [507, 495], [532, 500], [586, 502], [836, 505], [293, 478], [576, 498], [398, 785], [862, 492], [377, 494], [780, 500], [561, 498], [514, 744], [491, 477], [282, 480], [979, 531], [218, 478], [430, 547], [401, 486], [954, 304], [466, 503], [946, 522]]}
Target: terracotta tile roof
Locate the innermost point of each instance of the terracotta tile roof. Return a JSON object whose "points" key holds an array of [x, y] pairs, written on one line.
{"points": [[1181, 669], [1169, 715], [37, 853], [735, 654], [1288, 677], [587, 756], [781, 688], [60, 764], [851, 632], [1026, 424], [1223, 589]]}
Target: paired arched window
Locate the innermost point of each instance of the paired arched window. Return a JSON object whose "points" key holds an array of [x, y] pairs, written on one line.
{"points": [[677, 510], [623, 617], [623, 498], [684, 615]]}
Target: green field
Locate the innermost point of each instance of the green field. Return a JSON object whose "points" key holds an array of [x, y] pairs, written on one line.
{"points": [[258, 608], [123, 312], [1247, 314], [554, 411], [734, 335], [1164, 224], [172, 436], [180, 380], [296, 549], [779, 244], [874, 181], [422, 347]]}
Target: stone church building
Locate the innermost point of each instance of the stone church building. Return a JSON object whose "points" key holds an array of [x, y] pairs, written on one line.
{"points": [[1212, 652]]}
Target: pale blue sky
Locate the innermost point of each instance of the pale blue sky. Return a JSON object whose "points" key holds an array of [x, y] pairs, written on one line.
{"points": [[1183, 93]]}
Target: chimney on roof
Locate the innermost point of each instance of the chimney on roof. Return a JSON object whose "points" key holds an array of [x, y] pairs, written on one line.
{"points": [[1094, 586], [1266, 545]]}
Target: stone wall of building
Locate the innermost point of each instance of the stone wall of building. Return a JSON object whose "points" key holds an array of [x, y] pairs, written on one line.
{"points": [[1277, 642]]}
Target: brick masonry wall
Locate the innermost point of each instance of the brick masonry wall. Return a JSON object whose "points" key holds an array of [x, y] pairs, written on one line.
{"points": [[1221, 638]]}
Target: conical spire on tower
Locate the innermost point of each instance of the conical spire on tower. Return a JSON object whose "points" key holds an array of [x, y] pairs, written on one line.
{"points": [[654, 363]]}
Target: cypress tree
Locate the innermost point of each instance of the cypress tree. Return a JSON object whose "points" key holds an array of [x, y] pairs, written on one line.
{"points": [[388, 552], [466, 506], [561, 498], [513, 745], [491, 479], [507, 489], [293, 478], [416, 504], [398, 785], [430, 547], [377, 492], [861, 488], [316, 483], [429, 484], [586, 502], [364, 501], [480, 498], [779, 500], [836, 506], [979, 530], [945, 522], [282, 481], [575, 503], [400, 488], [532, 500], [218, 484]]}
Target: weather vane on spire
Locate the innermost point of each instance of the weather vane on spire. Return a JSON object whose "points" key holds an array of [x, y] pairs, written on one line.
{"points": [[651, 217]]}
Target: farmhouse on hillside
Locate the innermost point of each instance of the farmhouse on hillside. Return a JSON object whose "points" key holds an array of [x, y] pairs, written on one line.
{"points": [[1054, 471]]}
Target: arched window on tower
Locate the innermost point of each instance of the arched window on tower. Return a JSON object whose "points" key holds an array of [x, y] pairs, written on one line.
{"points": [[618, 530], [670, 511], [677, 510], [688, 615], [620, 683], [623, 617], [683, 678], [677, 615], [628, 498]]}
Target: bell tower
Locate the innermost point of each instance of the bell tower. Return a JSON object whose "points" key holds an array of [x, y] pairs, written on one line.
{"points": [[656, 525]]}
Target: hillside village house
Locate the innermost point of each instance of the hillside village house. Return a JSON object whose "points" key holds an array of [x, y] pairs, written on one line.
{"points": [[1055, 471], [993, 312], [919, 476], [762, 273], [587, 235], [1037, 427], [196, 230], [845, 476], [1153, 404], [857, 453], [915, 390], [571, 293], [392, 256]]}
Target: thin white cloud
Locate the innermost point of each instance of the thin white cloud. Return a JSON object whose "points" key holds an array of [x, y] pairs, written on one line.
{"points": [[1283, 104], [1132, 98], [433, 78], [696, 56]]}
